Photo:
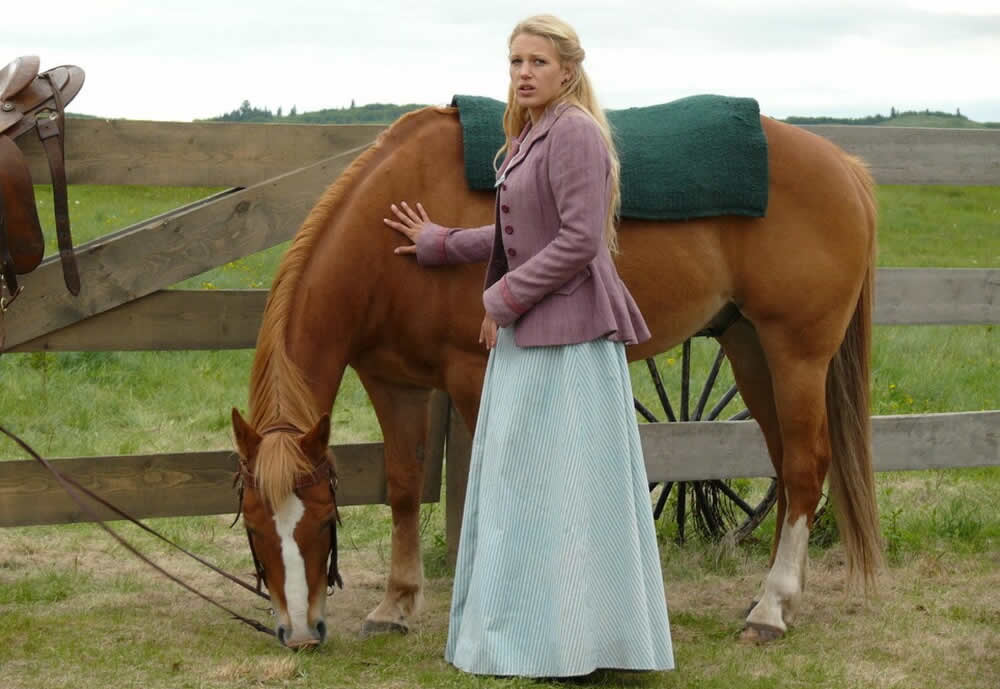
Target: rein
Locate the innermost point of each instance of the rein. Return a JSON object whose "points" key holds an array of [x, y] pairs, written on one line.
{"points": [[75, 489]]}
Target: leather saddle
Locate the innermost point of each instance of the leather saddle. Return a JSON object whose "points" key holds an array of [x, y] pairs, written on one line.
{"points": [[30, 100]]}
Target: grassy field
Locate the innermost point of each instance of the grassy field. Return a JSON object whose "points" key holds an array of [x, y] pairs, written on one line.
{"points": [[78, 612]]}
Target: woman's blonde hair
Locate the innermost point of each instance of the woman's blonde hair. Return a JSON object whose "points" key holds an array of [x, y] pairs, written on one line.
{"points": [[576, 91]]}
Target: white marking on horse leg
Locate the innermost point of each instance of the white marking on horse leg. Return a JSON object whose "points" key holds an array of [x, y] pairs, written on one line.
{"points": [[784, 582], [296, 587]]}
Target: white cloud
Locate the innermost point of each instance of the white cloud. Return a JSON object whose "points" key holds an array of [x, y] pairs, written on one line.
{"points": [[186, 59]]}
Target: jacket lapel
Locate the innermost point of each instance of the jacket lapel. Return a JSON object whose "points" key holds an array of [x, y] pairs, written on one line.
{"points": [[535, 134]]}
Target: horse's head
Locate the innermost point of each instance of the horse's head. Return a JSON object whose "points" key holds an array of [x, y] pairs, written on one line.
{"points": [[289, 509]]}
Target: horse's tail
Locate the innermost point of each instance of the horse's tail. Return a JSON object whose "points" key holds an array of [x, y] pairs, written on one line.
{"points": [[852, 477]]}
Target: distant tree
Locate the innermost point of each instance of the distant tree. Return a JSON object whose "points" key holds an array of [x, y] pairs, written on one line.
{"points": [[246, 113], [278, 114], [373, 113], [869, 120], [892, 111]]}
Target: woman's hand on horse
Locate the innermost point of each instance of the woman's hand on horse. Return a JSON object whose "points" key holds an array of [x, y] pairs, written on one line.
{"points": [[410, 223], [488, 332]]}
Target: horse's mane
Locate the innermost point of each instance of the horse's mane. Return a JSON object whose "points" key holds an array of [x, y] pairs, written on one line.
{"points": [[279, 394]]}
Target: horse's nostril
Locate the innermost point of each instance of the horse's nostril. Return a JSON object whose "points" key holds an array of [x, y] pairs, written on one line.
{"points": [[321, 630], [282, 634]]}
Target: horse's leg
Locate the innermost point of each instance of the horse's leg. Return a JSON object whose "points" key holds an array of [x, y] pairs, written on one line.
{"points": [[799, 383], [753, 378], [402, 414], [464, 381]]}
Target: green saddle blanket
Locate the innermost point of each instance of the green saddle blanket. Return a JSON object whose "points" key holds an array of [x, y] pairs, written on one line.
{"points": [[695, 157]]}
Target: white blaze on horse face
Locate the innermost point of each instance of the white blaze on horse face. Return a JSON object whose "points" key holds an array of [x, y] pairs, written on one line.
{"points": [[785, 581], [296, 586]]}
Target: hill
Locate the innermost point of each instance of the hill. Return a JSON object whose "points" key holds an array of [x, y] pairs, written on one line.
{"points": [[909, 118]]}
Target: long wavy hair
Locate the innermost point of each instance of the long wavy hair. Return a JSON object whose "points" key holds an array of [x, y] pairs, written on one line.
{"points": [[577, 91]]}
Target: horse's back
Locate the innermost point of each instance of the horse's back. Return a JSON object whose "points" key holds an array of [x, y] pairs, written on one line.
{"points": [[803, 260]]}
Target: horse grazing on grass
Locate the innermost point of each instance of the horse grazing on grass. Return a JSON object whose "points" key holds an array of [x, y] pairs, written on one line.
{"points": [[801, 279]]}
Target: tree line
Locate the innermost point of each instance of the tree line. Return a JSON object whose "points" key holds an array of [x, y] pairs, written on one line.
{"points": [[373, 113], [387, 113], [947, 119]]}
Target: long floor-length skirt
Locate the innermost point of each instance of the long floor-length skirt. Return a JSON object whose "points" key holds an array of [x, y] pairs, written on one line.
{"points": [[558, 570]]}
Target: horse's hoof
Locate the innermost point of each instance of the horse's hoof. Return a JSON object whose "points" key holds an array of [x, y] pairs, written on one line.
{"points": [[375, 627], [755, 633]]}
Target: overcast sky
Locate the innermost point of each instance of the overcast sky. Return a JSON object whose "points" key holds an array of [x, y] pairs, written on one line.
{"points": [[186, 59]]}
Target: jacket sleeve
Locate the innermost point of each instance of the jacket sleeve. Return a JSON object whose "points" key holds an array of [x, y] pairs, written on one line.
{"points": [[578, 167], [438, 245]]}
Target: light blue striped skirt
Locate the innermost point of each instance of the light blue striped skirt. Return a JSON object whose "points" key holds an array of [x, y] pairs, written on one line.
{"points": [[558, 570]]}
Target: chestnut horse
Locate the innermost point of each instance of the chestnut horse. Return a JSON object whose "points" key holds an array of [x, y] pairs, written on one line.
{"points": [[801, 279]]}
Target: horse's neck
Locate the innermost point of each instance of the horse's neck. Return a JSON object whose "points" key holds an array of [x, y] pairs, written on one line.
{"points": [[345, 292]]}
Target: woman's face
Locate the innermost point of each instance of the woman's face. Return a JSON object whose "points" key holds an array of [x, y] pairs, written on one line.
{"points": [[535, 72]]}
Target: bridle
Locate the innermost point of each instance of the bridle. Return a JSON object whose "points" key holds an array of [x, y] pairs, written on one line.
{"points": [[323, 472]]}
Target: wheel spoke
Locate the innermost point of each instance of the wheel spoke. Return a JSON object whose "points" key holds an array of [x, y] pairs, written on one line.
{"points": [[709, 384], [732, 495], [661, 391], [661, 503], [681, 510], [706, 518], [646, 414], [740, 416], [722, 403], [685, 379], [753, 521]]}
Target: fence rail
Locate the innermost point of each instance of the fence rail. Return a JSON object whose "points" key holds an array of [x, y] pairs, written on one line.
{"points": [[229, 319]]}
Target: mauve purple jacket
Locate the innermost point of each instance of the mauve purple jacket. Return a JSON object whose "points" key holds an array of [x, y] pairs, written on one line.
{"points": [[550, 273]]}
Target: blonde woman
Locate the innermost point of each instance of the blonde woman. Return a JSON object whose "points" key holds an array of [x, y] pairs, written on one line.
{"points": [[558, 571]]}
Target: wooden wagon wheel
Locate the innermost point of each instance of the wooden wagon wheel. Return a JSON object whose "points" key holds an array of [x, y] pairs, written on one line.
{"points": [[716, 508]]}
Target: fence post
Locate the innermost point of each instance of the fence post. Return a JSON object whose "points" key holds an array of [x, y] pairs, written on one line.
{"points": [[457, 454]]}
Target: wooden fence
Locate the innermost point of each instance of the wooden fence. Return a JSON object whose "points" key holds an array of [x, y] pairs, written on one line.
{"points": [[127, 307]]}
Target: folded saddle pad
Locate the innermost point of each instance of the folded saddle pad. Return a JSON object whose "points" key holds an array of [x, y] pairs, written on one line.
{"points": [[696, 157]]}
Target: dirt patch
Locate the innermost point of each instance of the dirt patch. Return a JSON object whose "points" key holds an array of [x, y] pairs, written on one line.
{"points": [[255, 671]]}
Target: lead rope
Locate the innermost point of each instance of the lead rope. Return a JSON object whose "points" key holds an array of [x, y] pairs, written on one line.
{"points": [[74, 490]]}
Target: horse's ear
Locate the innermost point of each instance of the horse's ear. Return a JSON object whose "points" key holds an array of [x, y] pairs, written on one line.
{"points": [[315, 442], [247, 439]]}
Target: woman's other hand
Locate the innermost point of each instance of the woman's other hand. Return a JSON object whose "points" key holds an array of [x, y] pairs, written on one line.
{"points": [[488, 332], [410, 224]]}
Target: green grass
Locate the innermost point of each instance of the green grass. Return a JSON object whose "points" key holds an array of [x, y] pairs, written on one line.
{"points": [[77, 611], [106, 622], [939, 227]]}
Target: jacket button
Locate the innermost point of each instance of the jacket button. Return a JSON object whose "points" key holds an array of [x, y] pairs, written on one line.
{"points": [[511, 253], [503, 187], [509, 229], [505, 208]]}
